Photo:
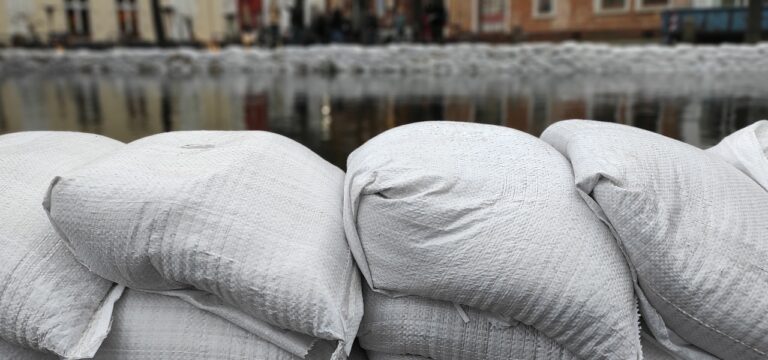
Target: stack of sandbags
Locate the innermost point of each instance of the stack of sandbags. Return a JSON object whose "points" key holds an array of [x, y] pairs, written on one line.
{"points": [[412, 325], [694, 229], [151, 326], [487, 218], [244, 225], [747, 150], [439, 330], [48, 301]]}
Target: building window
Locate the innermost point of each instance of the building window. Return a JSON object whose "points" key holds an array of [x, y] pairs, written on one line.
{"points": [[543, 8], [611, 6], [127, 19], [652, 4], [78, 22], [492, 15]]}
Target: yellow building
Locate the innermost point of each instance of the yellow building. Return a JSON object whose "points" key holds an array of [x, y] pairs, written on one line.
{"points": [[114, 21], [121, 21]]}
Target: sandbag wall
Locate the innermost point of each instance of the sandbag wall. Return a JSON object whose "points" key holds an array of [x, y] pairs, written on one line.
{"points": [[443, 241], [479, 242], [218, 245]]}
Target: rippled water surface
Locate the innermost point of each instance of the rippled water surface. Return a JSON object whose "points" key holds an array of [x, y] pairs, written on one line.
{"points": [[334, 115]]}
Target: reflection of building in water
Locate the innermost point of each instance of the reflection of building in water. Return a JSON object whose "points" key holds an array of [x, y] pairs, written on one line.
{"points": [[329, 118], [136, 104], [355, 121], [517, 113], [3, 122], [87, 106], [646, 113], [490, 110], [459, 108], [256, 111], [539, 114]]}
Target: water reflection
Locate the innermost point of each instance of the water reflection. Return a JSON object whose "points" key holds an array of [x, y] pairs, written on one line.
{"points": [[333, 116]]}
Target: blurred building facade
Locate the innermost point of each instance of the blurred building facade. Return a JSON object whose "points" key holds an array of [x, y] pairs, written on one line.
{"points": [[112, 22], [132, 22], [561, 19]]}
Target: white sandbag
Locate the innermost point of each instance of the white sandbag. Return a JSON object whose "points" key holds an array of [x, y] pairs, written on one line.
{"points": [[48, 301], [692, 226], [373, 355], [437, 330], [651, 351], [251, 217], [488, 217], [747, 150], [152, 326], [15, 352]]}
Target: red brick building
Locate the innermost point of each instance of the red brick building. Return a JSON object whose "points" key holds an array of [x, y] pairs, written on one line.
{"points": [[559, 19]]}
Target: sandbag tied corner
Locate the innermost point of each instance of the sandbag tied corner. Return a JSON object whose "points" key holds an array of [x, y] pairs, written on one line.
{"points": [[693, 228], [488, 217], [747, 150], [253, 218], [48, 301]]}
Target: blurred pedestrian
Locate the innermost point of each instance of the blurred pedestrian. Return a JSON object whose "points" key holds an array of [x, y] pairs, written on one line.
{"points": [[297, 25], [319, 27], [274, 24], [370, 33], [437, 17], [673, 29], [399, 22], [337, 26]]}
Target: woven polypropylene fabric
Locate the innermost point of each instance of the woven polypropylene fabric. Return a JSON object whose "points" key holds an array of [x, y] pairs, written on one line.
{"points": [[693, 227], [151, 326], [488, 217], [747, 150], [651, 351], [48, 301], [252, 217], [15, 352], [435, 329], [373, 355]]}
